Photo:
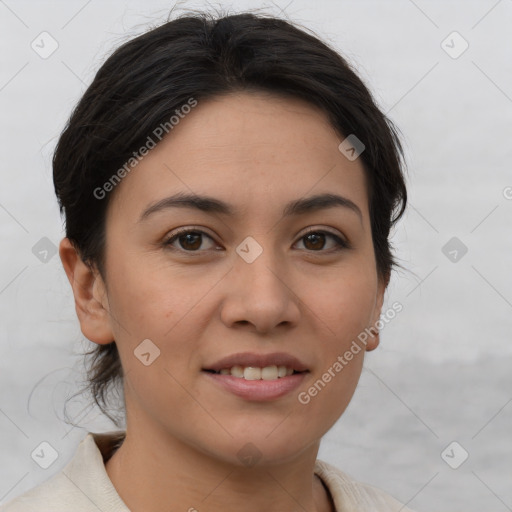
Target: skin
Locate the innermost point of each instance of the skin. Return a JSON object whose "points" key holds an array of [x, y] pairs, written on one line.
{"points": [[183, 433]]}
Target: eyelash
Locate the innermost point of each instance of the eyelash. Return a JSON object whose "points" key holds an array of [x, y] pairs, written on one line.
{"points": [[341, 244]]}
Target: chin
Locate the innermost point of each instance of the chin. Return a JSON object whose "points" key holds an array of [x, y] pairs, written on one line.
{"points": [[276, 448]]}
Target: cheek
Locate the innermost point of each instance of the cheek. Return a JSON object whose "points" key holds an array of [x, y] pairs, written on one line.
{"points": [[344, 305], [159, 304], [141, 294], [327, 394]]}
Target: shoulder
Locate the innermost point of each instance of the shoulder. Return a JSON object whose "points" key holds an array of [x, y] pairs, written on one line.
{"points": [[55, 494], [349, 493], [82, 486]]}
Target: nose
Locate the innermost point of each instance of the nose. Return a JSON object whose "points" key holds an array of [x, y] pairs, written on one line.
{"points": [[260, 294]]}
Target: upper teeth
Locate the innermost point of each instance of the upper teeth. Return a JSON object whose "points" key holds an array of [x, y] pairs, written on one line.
{"points": [[254, 373]]}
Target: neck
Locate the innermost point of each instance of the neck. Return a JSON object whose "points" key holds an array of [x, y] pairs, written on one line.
{"points": [[152, 472]]}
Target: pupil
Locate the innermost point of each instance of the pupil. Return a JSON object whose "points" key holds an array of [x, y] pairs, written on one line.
{"points": [[192, 235], [316, 239]]}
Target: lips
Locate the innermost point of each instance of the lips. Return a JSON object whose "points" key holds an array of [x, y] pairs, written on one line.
{"points": [[252, 359]]}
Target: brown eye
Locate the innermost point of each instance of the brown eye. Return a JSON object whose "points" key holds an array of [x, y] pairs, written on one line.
{"points": [[189, 240], [316, 240]]}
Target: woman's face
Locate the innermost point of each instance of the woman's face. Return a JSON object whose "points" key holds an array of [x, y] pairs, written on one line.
{"points": [[248, 281]]}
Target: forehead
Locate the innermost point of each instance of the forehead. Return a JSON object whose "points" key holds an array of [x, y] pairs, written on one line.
{"points": [[255, 151]]}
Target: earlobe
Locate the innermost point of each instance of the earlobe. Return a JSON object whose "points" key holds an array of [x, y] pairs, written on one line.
{"points": [[374, 336], [373, 339], [91, 302]]}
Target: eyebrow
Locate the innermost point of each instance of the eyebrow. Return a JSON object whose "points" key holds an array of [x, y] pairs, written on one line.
{"points": [[212, 205]]}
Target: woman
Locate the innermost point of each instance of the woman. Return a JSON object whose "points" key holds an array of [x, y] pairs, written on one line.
{"points": [[228, 186]]}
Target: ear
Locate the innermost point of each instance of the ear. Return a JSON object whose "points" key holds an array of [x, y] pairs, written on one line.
{"points": [[91, 302], [374, 338]]}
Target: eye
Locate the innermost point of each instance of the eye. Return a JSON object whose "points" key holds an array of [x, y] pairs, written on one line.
{"points": [[189, 239], [315, 239]]}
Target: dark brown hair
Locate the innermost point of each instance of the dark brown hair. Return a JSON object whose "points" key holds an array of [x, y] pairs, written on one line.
{"points": [[200, 55]]}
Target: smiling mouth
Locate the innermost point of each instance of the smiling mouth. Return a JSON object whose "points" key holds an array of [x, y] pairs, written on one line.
{"points": [[256, 373]]}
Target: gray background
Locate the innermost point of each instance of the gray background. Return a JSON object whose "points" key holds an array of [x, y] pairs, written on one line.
{"points": [[443, 370]]}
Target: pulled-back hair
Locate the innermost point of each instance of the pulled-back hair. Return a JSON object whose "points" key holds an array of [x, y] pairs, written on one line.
{"points": [[201, 56]]}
